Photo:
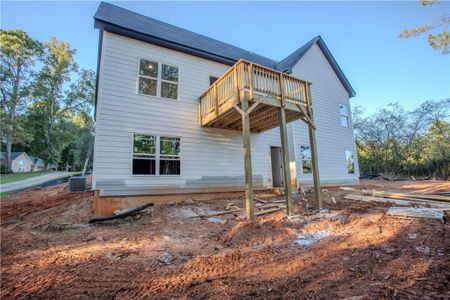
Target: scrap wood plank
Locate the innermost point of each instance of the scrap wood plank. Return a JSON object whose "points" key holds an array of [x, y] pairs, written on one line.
{"points": [[417, 212], [270, 205], [346, 188], [218, 213], [406, 196], [260, 200], [264, 211], [434, 204], [375, 199], [267, 211]]}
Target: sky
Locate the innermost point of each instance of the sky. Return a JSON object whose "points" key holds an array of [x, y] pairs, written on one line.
{"points": [[362, 36]]}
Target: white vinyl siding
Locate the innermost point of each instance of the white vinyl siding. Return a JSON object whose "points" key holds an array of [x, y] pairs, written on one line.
{"points": [[332, 139], [210, 157]]}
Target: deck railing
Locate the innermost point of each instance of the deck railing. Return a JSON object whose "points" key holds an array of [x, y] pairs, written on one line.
{"points": [[255, 80]]}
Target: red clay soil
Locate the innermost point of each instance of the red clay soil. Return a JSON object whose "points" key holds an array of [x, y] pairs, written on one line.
{"points": [[48, 251]]}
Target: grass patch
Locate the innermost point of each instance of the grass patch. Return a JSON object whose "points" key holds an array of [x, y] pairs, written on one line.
{"points": [[4, 194], [7, 178]]}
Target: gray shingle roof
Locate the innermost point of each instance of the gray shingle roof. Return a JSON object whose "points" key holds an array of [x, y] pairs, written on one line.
{"points": [[14, 155], [166, 32], [127, 23]]}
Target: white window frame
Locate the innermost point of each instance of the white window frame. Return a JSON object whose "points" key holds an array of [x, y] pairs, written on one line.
{"points": [[343, 115], [354, 165], [168, 157], [149, 157], [158, 79], [157, 156], [302, 160]]}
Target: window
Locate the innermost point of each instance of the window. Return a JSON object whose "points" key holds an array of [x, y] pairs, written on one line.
{"points": [[212, 79], [305, 154], [157, 79], [144, 154], [350, 161], [169, 163], [148, 77], [344, 115], [156, 155]]}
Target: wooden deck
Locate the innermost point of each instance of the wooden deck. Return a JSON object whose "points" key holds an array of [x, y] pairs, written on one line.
{"points": [[253, 98], [265, 90]]}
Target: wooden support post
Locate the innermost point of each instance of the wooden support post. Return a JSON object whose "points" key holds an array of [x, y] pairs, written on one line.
{"points": [[285, 152], [249, 204], [285, 157], [313, 148]]}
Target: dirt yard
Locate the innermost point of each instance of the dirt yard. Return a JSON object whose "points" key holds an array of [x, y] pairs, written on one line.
{"points": [[49, 251]]}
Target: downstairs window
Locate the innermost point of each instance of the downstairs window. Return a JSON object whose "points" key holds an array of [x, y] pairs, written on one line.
{"points": [[305, 154], [350, 160], [144, 154], [156, 155]]}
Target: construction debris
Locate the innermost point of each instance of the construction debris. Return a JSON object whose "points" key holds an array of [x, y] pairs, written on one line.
{"points": [[346, 188], [403, 196], [307, 239], [121, 214], [216, 220], [169, 255], [417, 212], [416, 202], [259, 200], [218, 213]]}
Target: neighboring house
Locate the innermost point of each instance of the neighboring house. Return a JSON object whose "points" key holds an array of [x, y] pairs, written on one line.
{"points": [[149, 135], [21, 162], [38, 164]]}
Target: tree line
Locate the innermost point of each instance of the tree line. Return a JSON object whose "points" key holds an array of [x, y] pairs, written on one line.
{"points": [[46, 101], [397, 141]]}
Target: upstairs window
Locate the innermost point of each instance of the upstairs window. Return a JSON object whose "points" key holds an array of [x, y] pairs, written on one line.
{"points": [[350, 161], [305, 154], [144, 154], [156, 79], [148, 77], [344, 115]]}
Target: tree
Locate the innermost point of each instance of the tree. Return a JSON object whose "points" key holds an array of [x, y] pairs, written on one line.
{"points": [[18, 54], [80, 102], [393, 140], [49, 113], [437, 148], [439, 41]]}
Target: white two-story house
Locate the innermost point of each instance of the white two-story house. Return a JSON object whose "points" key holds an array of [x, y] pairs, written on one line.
{"points": [[155, 127]]}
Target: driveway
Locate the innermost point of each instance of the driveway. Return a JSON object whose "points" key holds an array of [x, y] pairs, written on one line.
{"points": [[26, 183]]}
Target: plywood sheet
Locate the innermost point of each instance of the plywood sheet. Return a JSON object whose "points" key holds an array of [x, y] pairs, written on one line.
{"points": [[417, 212]]}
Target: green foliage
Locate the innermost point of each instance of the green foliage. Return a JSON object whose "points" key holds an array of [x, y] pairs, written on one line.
{"points": [[43, 109], [18, 54], [437, 147], [396, 141], [439, 41], [49, 117]]}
